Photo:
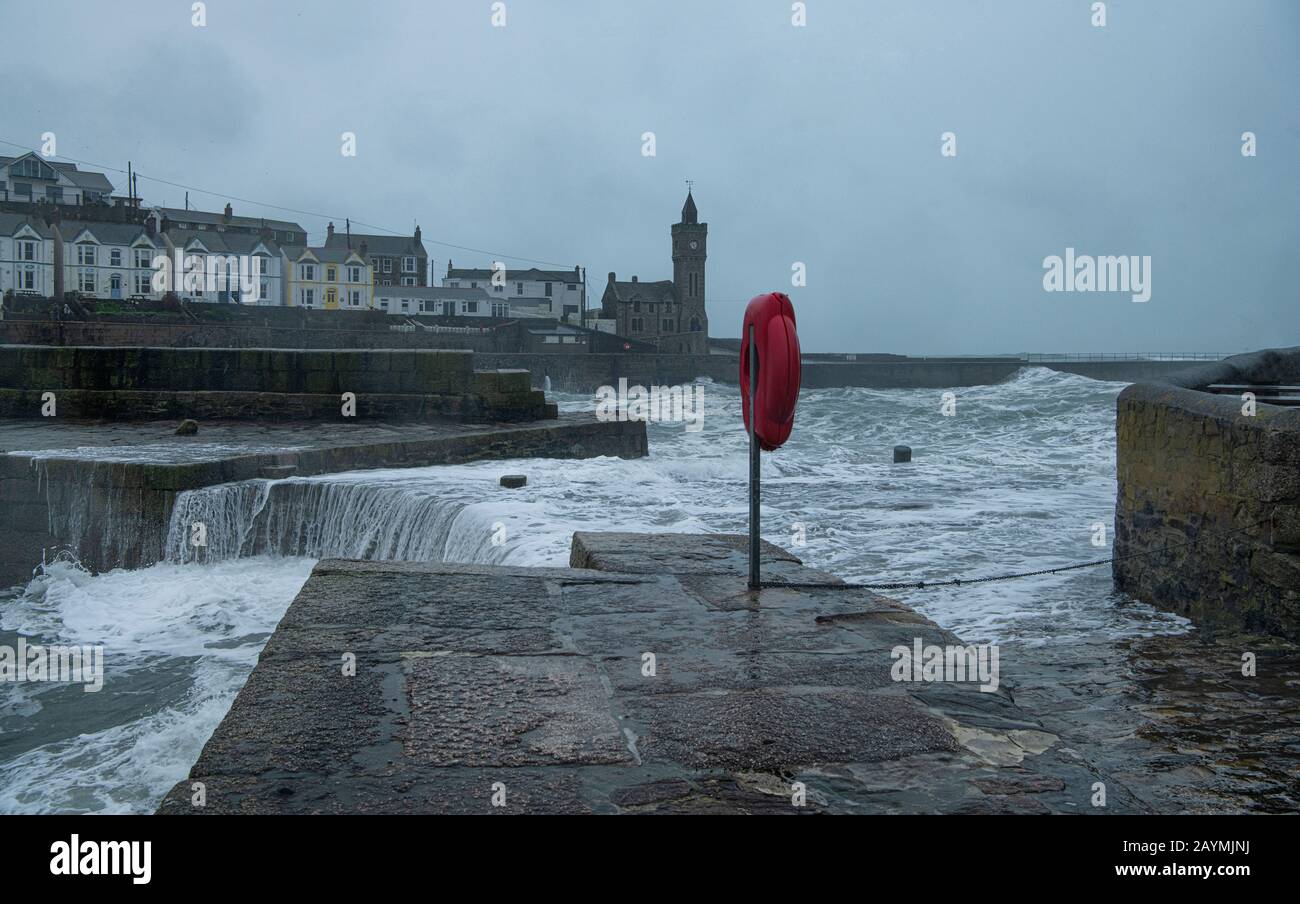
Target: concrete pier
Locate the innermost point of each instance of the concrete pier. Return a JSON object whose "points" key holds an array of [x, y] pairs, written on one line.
{"points": [[106, 489], [644, 679]]}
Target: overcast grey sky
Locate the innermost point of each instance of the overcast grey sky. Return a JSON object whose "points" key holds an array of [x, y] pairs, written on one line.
{"points": [[818, 144]]}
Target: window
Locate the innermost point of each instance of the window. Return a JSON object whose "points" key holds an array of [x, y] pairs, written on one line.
{"points": [[500, 309], [27, 279], [636, 324], [572, 287], [331, 274], [471, 307], [472, 285], [636, 307], [408, 265], [86, 281], [695, 324], [519, 288], [54, 194], [666, 326], [354, 297], [354, 274], [143, 280], [388, 265], [498, 287], [652, 307], [331, 298], [405, 304], [23, 190], [115, 257], [408, 280], [548, 290], [143, 259], [86, 255], [691, 284], [308, 272], [32, 169], [26, 251], [308, 297]]}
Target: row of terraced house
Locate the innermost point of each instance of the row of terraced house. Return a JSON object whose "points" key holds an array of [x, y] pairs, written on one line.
{"points": [[57, 240]]}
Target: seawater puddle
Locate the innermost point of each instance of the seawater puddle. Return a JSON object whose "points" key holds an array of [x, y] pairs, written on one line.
{"points": [[1014, 482]]}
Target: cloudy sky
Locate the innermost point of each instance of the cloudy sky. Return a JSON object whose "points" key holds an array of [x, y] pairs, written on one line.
{"points": [[818, 144]]}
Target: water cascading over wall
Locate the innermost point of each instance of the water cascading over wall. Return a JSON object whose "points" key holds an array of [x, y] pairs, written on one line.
{"points": [[325, 519]]}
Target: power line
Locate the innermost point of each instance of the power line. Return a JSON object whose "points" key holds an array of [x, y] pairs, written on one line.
{"points": [[294, 210]]}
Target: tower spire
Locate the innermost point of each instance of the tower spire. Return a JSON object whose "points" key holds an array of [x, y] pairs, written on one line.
{"points": [[689, 213]]}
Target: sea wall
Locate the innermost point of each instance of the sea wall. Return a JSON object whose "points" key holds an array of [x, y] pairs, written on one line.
{"points": [[132, 383], [1207, 519], [115, 513]]}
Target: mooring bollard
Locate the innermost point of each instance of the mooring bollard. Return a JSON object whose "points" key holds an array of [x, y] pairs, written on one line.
{"points": [[513, 481], [902, 454]]}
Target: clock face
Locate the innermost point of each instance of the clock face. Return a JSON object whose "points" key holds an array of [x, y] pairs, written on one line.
{"points": [[694, 244]]}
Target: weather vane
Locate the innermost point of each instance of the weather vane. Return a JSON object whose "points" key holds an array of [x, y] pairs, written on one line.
{"points": [[690, 184]]}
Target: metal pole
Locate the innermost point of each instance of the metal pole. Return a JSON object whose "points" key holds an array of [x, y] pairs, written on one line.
{"points": [[754, 467]]}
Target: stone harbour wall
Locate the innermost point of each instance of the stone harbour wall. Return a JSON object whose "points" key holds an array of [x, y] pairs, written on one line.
{"points": [[1207, 520], [131, 383]]}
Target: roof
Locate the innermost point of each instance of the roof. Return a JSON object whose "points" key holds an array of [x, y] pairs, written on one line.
{"points": [[689, 213], [660, 290], [107, 233], [84, 178], [221, 242], [324, 255], [181, 215], [532, 274], [393, 245], [10, 223]]}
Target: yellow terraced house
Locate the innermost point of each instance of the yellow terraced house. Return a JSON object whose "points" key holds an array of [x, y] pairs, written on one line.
{"points": [[332, 279]]}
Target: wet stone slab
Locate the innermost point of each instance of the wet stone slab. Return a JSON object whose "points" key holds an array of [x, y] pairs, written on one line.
{"points": [[404, 687]]}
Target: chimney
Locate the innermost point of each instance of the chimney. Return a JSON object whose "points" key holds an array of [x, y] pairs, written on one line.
{"points": [[611, 276], [329, 232], [363, 247], [417, 236], [448, 265], [634, 279], [229, 212], [149, 226]]}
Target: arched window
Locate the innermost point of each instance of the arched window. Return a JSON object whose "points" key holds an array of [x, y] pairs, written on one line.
{"points": [[695, 324]]}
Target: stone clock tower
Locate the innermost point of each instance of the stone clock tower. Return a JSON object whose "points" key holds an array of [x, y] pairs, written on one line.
{"points": [[690, 248]]}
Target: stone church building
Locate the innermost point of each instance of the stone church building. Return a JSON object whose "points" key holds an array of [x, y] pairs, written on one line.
{"points": [[668, 313]]}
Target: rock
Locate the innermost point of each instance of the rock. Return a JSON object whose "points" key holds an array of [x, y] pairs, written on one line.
{"points": [[188, 427], [513, 481], [902, 454]]}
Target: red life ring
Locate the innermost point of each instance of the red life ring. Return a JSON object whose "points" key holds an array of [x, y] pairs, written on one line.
{"points": [[777, 344]]}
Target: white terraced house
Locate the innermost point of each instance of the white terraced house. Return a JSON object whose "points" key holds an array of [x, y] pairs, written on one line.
{"points": [[26, 256], [543, 293], [108, 260], [232, 253], [439, 301]]}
